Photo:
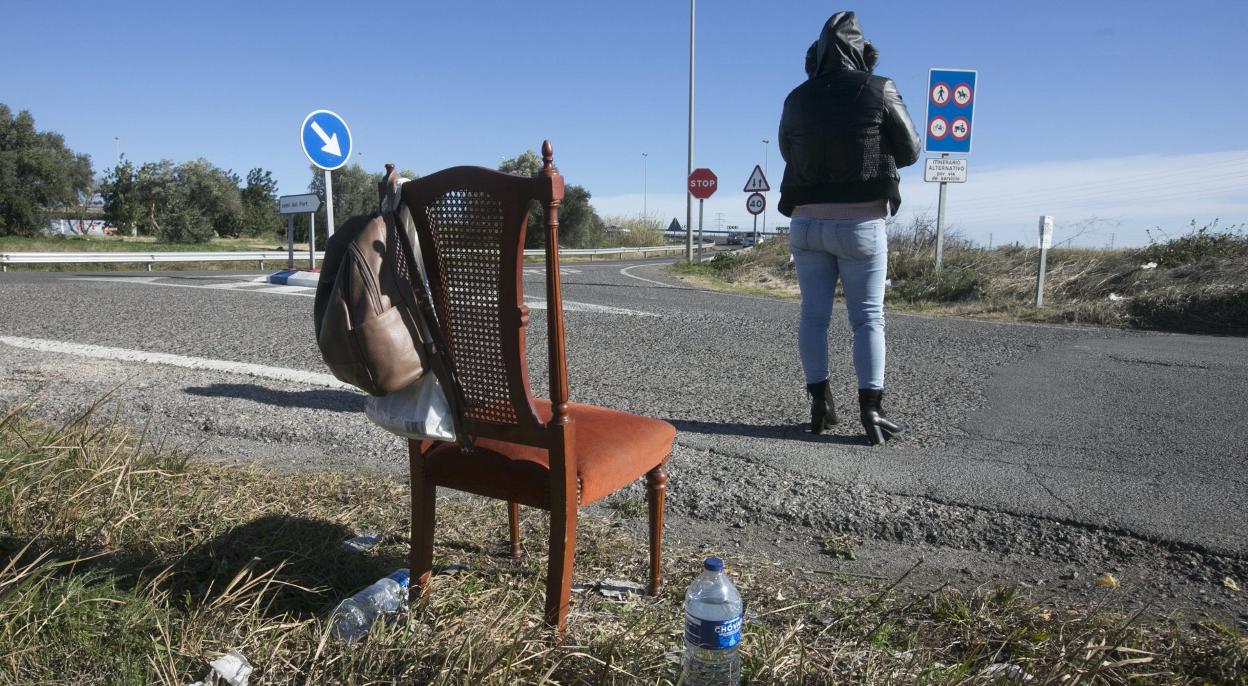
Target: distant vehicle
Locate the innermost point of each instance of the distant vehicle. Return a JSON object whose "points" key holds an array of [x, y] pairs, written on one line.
{"points": [[734, 238]]}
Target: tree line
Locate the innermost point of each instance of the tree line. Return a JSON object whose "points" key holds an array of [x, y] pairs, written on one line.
{"points": [[194, 201]]}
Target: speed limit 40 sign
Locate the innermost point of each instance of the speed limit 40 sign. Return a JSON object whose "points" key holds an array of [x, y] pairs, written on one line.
{"points": [[756, 203]]}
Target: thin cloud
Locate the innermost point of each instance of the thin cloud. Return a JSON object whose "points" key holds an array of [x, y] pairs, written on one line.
{"points": [[1120, 198]]}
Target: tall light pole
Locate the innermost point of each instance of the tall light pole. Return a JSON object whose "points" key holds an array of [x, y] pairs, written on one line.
{"points": [[117, 140], [645, 208], [689, 162], [766, 151]]}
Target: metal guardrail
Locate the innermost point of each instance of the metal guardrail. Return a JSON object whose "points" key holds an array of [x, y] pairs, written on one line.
{"points": [[260, 257], [148, 258]]}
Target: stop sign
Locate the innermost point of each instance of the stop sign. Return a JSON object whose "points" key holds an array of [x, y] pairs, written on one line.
{"points": [[702, 183]]}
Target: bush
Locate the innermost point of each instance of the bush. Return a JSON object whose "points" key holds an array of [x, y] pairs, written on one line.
{"points": [[1219, 309], [185, 223], [1199, 245], [640, 232], [951, 284]]}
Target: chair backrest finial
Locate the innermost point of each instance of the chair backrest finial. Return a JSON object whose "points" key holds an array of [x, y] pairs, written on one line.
{"points": [[548, 156]]}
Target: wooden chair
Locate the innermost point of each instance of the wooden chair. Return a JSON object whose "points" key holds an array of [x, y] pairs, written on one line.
{"points": [[551, 454]]}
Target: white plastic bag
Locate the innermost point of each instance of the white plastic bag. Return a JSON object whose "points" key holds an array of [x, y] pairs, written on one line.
{"points": [[417, 411]]}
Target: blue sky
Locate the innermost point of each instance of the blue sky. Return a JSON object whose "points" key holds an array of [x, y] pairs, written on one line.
{"points": [[1113, 116]]}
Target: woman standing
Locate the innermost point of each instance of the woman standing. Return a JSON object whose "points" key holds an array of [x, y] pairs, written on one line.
{"points": [[843, 135]]}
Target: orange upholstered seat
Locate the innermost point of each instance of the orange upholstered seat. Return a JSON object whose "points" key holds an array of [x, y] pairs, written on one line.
{"points": [[613, 449]]}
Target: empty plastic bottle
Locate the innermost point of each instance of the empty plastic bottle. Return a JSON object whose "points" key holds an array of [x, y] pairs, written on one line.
{"points": [[353, 616], [713, 614]]}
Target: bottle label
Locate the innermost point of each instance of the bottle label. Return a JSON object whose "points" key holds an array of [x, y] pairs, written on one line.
{"points": [[709, 633]]}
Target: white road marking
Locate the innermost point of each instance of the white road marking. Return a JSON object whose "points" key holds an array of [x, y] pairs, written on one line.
{"points": [[541, 271], [100, 352], [572, 306], [259, 287], [624, 271], [250, 286]]}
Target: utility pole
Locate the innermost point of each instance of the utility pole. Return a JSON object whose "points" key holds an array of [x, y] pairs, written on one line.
{"points": [[689, 160], [645, 209], [766, 151]]}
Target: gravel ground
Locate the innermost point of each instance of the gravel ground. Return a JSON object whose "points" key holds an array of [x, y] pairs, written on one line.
{"points": [[1037, 455]]}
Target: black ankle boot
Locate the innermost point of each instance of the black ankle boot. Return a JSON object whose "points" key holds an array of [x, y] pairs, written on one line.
{"points": [[879, 428], [822, 409]]}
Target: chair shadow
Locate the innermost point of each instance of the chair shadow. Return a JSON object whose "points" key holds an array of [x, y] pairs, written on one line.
{"points": [[325, 399], [783, 432], [310, 569], [316, 571]]}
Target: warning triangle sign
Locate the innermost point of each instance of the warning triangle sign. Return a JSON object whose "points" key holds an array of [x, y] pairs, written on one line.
{"points": [[757, 181]]}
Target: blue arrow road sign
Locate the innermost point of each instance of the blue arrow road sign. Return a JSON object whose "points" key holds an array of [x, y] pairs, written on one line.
{"points": [[951, 95], [326, 139]]}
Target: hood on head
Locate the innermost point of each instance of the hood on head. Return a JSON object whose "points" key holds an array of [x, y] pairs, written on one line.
{"points": [[840, 47]]}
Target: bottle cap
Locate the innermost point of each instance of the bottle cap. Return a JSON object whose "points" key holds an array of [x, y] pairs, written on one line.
{"points": [[401, 576], [713, 564]]}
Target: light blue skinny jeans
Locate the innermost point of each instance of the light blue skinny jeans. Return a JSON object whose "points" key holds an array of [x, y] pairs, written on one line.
{"points": [[856, 252]]}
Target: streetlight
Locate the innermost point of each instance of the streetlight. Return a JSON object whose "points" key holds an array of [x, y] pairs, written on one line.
{"points": [[766, 151], [117, 140], [645, 209]]}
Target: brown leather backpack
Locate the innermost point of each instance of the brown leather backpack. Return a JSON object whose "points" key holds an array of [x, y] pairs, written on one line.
{"points": [[368, 319]]}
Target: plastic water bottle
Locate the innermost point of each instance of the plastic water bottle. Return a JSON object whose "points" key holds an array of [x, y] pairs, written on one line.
{"points": [[353, 616], [712, 628]]}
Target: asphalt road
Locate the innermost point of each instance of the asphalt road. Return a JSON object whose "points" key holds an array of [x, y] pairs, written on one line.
{"points": [[1039, 455]]}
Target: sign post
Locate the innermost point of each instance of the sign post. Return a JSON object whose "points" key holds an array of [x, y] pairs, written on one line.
{"points": [[702, 185], [950, 112], [755, 204], [1046, 242], [756, 185], [290, 205], [327, 143]]}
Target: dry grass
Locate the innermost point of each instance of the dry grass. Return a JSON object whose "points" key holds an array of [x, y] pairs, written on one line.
{"points": [[1197, 283], [122, 564]]}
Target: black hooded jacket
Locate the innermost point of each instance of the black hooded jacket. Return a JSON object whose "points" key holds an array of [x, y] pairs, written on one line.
{"points": [[844, 132]]}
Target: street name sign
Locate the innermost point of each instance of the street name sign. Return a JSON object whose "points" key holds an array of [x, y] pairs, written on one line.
{"points": [[298, 204], [702, 183], [756, 203], [326, 139], [757, 181], [951, 95], [945, 170]]}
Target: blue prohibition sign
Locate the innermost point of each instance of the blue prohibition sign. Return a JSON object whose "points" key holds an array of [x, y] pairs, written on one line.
{"points": [[326, 139], [951, 95]]}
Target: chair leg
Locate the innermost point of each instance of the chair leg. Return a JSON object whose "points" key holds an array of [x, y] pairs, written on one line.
{"points": [[559, 570], [656, 494], [513, 519], [423, 500]]}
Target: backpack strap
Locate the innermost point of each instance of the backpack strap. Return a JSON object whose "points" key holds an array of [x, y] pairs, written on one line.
{"points": [[419, 301]]}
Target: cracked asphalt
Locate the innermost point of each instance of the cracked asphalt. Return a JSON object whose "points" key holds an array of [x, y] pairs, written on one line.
{"points": [[1036, 455]]}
